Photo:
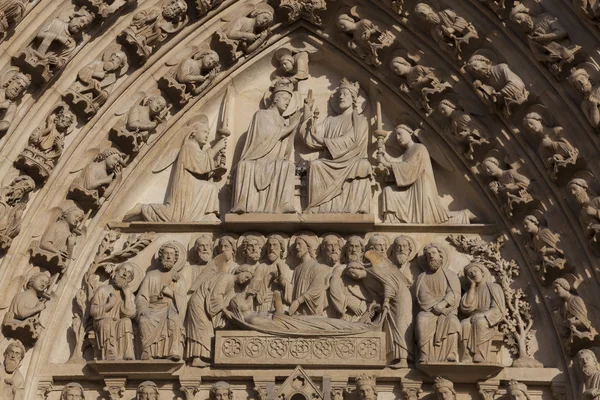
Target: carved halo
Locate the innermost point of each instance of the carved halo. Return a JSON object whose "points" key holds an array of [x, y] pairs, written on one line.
{"points": [[286, 242], [138, 275], [181, 260], [414, 249], [190, 253], [112, 50], [240, 243], [441, 248], [312, 237]]}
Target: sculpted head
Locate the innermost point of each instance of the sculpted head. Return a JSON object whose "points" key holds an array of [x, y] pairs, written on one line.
{"points": [[112, 158], [354, 249], [39, 282], [424, 12], [379, 243], [174, 10], [156, 105], [221, 391], [562, 288], [72, 391], [366, 387], [63, 119], [356, 271], [517, 391], [404, 135], [275, 247], [475, 272], [13, 356], [306, 245], [531, 224], [331, 249], [201, 130], [479, 66], [227, 245], [147, 391], [347, 94], [587, 361], [18, 188], [345, 23], [444, 389], [80, 21], [286, 62], [168, 254], [579, 190], [16, 85], [580, 80], [115, 61], [243, 275], [435, 256], [534, 123], [282, 94], [263, 15], [400, 66], [491, 166], [203, 248], [208, 58], [402, 248], [252, 247], [72, 216], [521, 16], [446, 107], [124, 275]]}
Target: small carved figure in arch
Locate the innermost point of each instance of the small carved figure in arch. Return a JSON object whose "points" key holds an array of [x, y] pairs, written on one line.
{"points": [[104, 9], [449, 30], [307, 9], [13, 84], [465, 129], [444, 389], [244, 35], [142, 119], [548, 39], [293, 63], [95, 82], [559, 156], [499, 6], [192, 76], [585, 79], [53, 45], [496, 84], [72, 391], [13, 201], [589, 213], [12, 384], [22, 320], [576, 323], [97, 181], [147, 391], [367, 40], [46, 144], [589, 9], [152, 26], [11, 13]]}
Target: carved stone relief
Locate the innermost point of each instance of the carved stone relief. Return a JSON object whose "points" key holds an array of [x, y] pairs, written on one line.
{"points": [[13, 201]]}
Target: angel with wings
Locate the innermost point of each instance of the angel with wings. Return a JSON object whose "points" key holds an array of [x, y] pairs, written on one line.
{"points": [[413, 198], [191, 196]]}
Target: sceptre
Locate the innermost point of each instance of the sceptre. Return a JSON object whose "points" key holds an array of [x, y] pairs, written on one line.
{"points": [[223, 132], [380, 134]]}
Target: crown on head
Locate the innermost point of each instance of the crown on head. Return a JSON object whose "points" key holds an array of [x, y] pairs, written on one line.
{"points": [[365, 380], [283, 85], [353, 87], [514, 385], [443, 383]]}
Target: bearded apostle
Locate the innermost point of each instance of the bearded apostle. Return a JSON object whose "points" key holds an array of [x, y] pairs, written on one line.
{"points": [[112, 308], [161, 303], [207, 311], [200, 255], [341, 184], [483, 304], [12, 383], [264, 177], [588, 365], [438, 296], [414, 199]]}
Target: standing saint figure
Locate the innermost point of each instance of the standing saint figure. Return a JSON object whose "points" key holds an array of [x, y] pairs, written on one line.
{"points": [[483, 303], [161, 303], [438, 296], [264, 177], [414, 199], [191, 196], [340, 183]]}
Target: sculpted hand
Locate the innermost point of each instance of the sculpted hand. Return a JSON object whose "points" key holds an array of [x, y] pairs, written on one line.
{"points": [[438, 309], [355, 310], [167, 291], [590, 211], [386, 305], [41, 306], [221, 144], [227, 313], [294, 307]]}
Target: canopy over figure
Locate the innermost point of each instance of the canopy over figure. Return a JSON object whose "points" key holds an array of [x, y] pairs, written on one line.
{"points": [[264, 177], [341, 183]]}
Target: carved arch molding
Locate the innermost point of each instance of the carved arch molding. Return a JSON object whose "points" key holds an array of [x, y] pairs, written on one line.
{"points": [[237, 199]]}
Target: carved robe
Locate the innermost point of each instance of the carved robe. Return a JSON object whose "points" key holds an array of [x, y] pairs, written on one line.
{"points": [[12, 386], [488, 308], [94, 86], [415, 198], [92, 177], [190, 196], [433, 330], [160, 318], [10, 217], [590, 223], [590, 106], [264, 177], [10, 11], [345, 294], [113, 328], [205, 313], [342, 183], [556, 50], [510, 86], [450, 25], [590, 383], [57, 236], [264, 283], [575, 313], [8, 108], [310, 281], [546, 239], [50, 46]]}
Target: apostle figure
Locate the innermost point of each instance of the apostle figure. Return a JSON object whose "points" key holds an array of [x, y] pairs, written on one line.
{"points": [[483, 303], [224, 262], [161, 303], [307, 292], [13, 201], [264, 177], [378, 243], [191, 196], [590, 369], [207, 311], [438, 296], [510, 187], [112, 307], [12, 383], [200, 255], [414, 199], [589, 214], [385, 279], [402, 252], [581, 80], [341, 183], [72, 391]]}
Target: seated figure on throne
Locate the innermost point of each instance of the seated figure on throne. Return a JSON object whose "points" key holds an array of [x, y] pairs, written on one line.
{"points": [[340, 183]]}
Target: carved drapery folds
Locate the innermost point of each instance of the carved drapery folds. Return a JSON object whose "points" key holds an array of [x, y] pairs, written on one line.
{"points": [[584, 79], [13, 201], [13, 84]]}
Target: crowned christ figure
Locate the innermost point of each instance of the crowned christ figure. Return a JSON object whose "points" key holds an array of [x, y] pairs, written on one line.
{"points": [[341, 181], [264, 177]]}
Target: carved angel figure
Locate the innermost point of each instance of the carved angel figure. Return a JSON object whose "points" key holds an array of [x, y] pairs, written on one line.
{"points": [[12, 382], [449, 30], [55, 250], [141, 121], [293, 63], [245, 35], [192, 76], [150, 27], [559, 156], [98, 180], [584, 80], [420, 82], [367, 40], [589, 214], [578, 327], [22, 319], [11, 13], [543, 247], [13, 85], [53, 45], [510, 187], [13, 200], [547, 38], [465, 129], [414, 198], [46, 144], [94, 83], [496, 84], [191, 196]]}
